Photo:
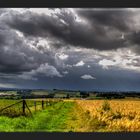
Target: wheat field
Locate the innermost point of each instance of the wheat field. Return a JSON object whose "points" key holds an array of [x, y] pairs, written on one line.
{"points": [[112, 115]]}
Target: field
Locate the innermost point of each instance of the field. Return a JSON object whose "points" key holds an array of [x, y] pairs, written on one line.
{"points": [[112, 115], [73, 116]]}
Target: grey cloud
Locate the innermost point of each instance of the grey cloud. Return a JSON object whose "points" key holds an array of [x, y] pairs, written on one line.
{"points": [[122, 20], [64, 27], [43, 69], [16, 55], [134, 37], [119, 18], [24, 58]]}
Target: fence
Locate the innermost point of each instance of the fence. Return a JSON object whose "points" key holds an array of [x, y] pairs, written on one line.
{"points": [[27, 107]]}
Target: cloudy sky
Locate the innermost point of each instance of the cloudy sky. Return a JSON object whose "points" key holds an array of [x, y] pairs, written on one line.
{"points": [[84, 49]]}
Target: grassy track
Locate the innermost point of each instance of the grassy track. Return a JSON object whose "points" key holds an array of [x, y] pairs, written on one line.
{"points": [[53, 118]]}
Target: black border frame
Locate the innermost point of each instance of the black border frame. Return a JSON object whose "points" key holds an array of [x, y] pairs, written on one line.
{"points": [[70, 4], [69, 136]]}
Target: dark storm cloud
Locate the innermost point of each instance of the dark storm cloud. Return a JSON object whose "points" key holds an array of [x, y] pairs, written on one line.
{"points": [[122, 20], [16, 56], [64, 27], [133, 40], [63, 30], [23, 58], [12, 57], [134, 37], [119, 19]]}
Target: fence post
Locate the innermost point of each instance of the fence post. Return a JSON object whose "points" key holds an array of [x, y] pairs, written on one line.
{"points": [[46, 103], [23, 107], [42, 104], [35, 105], [28, 108]]}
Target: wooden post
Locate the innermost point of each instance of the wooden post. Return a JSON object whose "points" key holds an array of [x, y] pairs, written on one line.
{"points": [[28, 108], [42, 104], [23, 107], [35, 105]]}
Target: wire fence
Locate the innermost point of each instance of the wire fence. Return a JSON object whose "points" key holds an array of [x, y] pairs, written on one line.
{"points": [[26, 107]]}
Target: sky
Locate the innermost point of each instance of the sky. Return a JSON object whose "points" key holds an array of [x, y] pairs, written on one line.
{"points": [[70, 48]]}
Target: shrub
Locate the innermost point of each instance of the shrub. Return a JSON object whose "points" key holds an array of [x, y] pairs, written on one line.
{"points": [[106, 106]]}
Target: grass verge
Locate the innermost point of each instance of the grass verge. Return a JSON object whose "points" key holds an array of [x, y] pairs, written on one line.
{"points": [[52, 119]]}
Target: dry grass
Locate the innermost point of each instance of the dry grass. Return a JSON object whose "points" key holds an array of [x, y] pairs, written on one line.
{"points": [[122, 115]]}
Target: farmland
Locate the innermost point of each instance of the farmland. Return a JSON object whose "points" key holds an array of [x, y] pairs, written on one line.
{"points": [[73, 116], [112, 115]]}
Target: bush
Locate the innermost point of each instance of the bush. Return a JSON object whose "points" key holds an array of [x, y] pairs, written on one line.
{"points": [[106, 106]]}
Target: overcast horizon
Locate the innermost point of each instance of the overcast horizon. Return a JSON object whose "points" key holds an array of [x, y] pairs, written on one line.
{"points": [[70, 48]]}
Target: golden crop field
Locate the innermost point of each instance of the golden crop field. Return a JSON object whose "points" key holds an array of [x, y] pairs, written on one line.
{"points": [[112, 115]]}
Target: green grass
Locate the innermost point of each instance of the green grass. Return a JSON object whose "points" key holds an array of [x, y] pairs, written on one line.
{"points": [[16, 110], [54, 118]]}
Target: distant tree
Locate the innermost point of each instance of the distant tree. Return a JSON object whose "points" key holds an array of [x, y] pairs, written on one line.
{"points": [[68, 96], [84, 94]]}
